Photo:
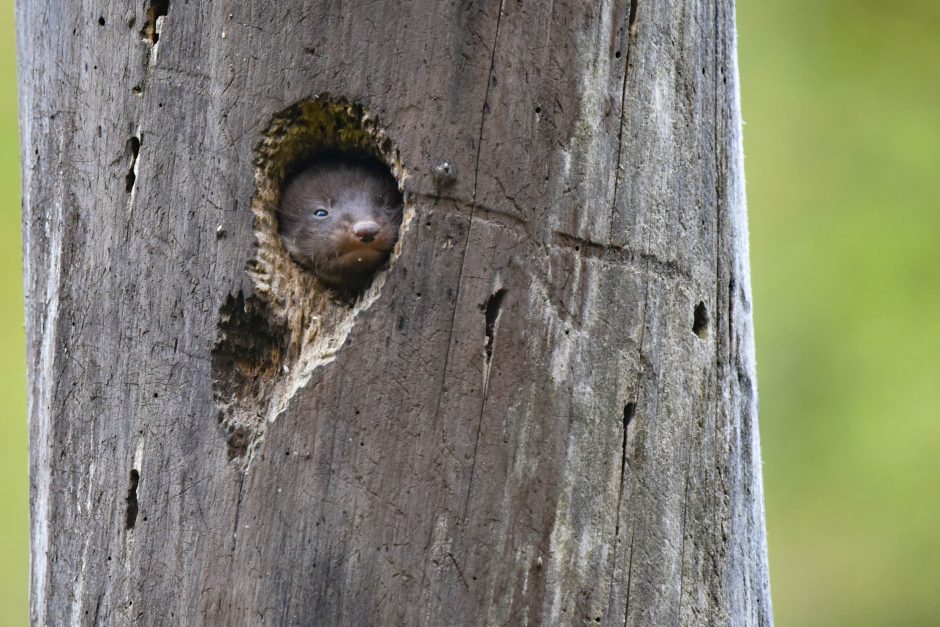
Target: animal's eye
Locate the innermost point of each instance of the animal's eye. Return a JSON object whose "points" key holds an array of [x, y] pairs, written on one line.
{"points": [[321, 213]]}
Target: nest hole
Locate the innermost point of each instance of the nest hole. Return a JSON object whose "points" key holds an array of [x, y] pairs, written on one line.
{"points": [[309, 133], [269, 343]]}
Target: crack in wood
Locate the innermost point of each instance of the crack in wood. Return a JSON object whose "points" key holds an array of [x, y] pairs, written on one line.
{"points": [[623, 255], [473, 205], [586, 248], [629, 411], [631, 41]]}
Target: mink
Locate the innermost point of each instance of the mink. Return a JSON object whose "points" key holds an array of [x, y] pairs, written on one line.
{"points": [[339, 217]]}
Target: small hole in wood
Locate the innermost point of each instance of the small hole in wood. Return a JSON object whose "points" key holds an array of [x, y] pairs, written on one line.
{"points": [[700, 321], [133, 145], [617, 54], [101, 21], [491, 311], [538, 110], [629, 410], [132, 507]]}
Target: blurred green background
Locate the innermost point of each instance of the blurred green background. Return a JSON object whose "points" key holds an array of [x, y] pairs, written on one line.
{"points": [[14, 489], [841, 101]]}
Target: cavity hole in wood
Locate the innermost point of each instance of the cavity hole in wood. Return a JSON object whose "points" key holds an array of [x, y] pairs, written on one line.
{"points": [[156, 10], [131, 517], [269, 344], [491, 312], [311, 133], [629, 410], [246, 360], [700, 321], [618, 54], [538, 110], [134, 145], [101, 21], [444, 174]]}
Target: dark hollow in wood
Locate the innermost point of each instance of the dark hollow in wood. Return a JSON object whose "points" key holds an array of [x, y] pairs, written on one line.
{"points": [[700, 320], [132, 507], [155, 10]]}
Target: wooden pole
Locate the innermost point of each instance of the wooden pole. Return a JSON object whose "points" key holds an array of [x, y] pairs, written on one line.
{"points": [[543, 412]]}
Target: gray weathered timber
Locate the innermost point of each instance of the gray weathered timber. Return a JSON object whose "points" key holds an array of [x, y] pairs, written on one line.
{"points": [[543, 413]]}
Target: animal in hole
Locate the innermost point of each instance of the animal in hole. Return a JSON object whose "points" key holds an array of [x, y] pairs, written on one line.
{"points": [[339, 217]]}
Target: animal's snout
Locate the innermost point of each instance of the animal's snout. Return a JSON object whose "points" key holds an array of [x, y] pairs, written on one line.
{"points": [[366, 230]]}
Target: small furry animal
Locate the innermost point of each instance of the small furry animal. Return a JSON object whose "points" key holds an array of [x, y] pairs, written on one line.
{"points": [[339, 217]]}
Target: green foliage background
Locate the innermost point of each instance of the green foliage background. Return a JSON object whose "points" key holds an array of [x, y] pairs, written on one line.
{"points": [[841, 101], [14, 487]]}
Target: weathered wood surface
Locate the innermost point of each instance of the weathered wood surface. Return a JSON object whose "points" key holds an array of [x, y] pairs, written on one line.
{"points": [[522, 426]]}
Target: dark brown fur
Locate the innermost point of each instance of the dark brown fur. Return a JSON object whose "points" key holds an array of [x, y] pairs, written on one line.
{"points": [[364, 209]]}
